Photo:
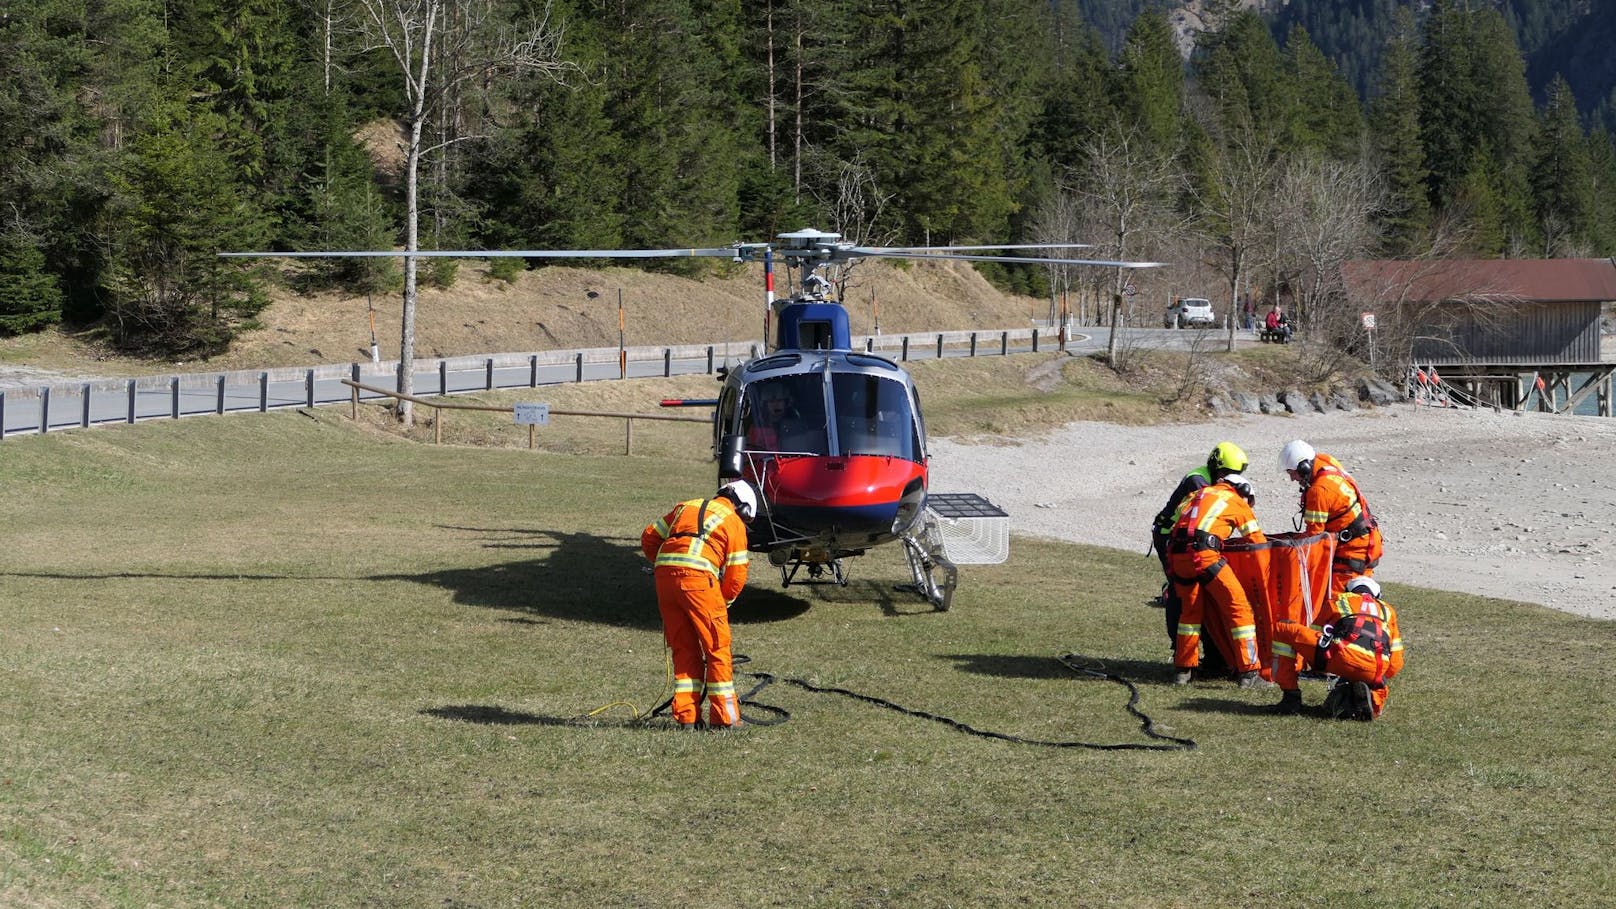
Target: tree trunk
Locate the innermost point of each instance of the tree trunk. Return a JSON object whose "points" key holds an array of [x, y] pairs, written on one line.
{"points": [[412, 244]]}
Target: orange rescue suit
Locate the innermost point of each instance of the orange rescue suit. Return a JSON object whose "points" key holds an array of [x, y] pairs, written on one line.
{"points": [[1362, 644], [699, 553], [1215, 515], [1333, 504]]}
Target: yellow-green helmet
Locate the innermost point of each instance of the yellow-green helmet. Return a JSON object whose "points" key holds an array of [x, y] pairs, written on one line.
{"points": [[1226, 458]]}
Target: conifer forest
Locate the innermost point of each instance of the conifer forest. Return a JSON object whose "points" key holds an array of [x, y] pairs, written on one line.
{"points": [[142, 137]]}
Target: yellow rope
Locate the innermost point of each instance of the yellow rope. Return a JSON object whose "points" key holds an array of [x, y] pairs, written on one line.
{"points": [[638, 716]]}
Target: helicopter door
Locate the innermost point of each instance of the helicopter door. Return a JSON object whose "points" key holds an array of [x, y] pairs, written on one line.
{"points": [[874, 417]]}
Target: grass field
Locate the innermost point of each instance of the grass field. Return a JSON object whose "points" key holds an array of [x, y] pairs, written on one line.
{"points": [[275, 661]]}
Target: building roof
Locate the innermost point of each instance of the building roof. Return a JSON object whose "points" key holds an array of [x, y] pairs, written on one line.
{"points": [[1504, 280]]}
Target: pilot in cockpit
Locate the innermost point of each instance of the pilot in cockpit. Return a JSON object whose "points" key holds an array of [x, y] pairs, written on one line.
{"points": [[771, 421]]}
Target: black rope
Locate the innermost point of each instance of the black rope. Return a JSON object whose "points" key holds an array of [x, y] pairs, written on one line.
{"points": [[1147, 725]]}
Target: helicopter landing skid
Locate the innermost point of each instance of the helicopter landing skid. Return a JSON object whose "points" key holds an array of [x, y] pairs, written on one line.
{"points": [[934, 575], [816, 573]]}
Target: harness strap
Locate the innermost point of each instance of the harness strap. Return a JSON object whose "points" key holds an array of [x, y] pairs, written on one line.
{"points": [[1358, 565], [1186, 540], [1206, 575], [694, 555], [701, 522]]}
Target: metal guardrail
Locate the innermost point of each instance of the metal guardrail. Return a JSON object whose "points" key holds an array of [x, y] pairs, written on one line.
{"points": [[438, 407], [51, 408]]}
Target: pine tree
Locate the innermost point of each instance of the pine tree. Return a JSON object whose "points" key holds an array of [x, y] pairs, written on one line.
{"points": [[1449, 122], [178, 205], [1079, 97], [672, 100], [30, 297], [1562, 185], [922, 112], [1243, 73], [1326, 115], [1150, 83], [1602, 178], [1477, 200], [1395, 132], [1507, 119]]}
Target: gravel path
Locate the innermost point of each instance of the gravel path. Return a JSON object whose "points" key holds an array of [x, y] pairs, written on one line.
{"points": [[1516, 506]]}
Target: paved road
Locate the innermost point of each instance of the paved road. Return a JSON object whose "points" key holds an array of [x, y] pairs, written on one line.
{"points": [[30, 397]]}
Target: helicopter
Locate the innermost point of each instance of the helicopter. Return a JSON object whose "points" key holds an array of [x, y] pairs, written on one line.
{"points": [[831, 437]]}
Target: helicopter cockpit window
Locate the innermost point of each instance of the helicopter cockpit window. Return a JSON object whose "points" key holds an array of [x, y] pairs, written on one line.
{"points": [[873, 417], [786, 415]]}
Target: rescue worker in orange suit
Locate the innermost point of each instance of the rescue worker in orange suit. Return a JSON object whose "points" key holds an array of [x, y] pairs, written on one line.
{"points": [[1356, 639], [1161, 527], [699, 553], [1202, 578], [1332, 503]]}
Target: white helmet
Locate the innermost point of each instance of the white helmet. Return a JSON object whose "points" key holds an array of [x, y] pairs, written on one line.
{"points": [[1296, 453], [1241, 485], [745, 498], [1362, 584]]}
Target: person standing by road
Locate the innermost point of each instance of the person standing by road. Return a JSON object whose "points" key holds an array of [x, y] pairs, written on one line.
{"points": [[699, 550]]}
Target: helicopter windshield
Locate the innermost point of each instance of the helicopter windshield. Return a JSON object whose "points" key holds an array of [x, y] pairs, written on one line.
{"points": [[873, 417], [786, 415]]}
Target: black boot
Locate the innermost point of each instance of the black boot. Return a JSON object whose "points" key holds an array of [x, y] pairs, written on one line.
{"points": [[1290, 703]]}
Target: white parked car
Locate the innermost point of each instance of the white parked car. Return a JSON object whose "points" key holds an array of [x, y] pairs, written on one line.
{"points": [[1190, 311]]}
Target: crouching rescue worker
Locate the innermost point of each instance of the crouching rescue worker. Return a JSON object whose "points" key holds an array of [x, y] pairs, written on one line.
{"points": [[699, 553], [1205, 585], [1332, 503], [1355, 638]]}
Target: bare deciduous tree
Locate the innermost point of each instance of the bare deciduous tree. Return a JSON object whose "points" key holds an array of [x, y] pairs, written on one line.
{"points": [[469, 42], [1323, 212], [1236, 210], [856, 212], [1059, 219], [1424, 302], [1127, 188]]}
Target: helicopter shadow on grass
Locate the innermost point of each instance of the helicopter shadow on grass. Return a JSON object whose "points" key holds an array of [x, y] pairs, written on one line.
{"points": [[579, 577]]}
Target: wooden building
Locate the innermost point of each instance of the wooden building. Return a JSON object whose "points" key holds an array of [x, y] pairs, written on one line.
{"points": [[1502, 328]]}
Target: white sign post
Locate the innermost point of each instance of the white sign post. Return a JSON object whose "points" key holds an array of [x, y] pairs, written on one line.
{"points": [[1369, 329], [531, 416]]}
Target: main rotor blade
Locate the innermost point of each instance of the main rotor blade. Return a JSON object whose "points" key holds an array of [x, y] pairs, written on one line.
{"points": [[721, 252], [1025, 260], [889, 250]]}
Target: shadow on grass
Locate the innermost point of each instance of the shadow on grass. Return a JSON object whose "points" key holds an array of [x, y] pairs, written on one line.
{"points": [[1222, 705], [494, 715], [581, 577], [1048, 667]]}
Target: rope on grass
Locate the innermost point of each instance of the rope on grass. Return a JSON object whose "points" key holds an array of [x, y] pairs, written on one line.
{"points": [[1069, 660]]}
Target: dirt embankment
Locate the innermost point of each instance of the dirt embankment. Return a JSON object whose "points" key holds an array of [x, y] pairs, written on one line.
{"points": [[557, 307]]}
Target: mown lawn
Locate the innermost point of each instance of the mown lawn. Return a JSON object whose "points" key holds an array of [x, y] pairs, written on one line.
{"points": [[271, 661]]}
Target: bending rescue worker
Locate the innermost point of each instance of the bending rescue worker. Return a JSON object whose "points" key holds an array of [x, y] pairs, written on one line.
{"points": [[699, 553], [1332, 503], [1202, 578]]}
